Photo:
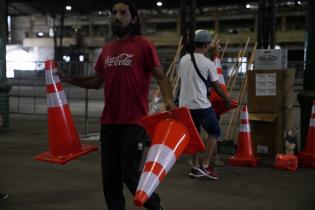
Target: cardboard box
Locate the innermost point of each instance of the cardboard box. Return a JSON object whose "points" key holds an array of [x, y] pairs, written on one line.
{"points": [[271, 59], [268, 90], [270, 102], [267, 137]]}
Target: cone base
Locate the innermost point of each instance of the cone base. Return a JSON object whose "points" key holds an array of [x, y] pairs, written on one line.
{"points": [[62, 159], [181, 115], [306, 160], [236, 161]]}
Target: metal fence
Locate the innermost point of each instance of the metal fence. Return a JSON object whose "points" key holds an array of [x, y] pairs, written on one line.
{"points": [[28, 93]]}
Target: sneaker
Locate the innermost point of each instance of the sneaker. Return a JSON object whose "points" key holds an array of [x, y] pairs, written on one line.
{"points": [[208, 172], [3, 196], [195, 173]]}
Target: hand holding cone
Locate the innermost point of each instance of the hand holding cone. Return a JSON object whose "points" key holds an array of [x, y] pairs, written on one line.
{"points": [[63, 139], [171, 134], [216, 101]]}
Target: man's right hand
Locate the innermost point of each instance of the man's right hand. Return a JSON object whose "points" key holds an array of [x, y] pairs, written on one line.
{"points": [[63, 76], [228, 104]]}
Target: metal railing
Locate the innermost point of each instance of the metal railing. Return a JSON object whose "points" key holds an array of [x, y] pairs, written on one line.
{"points": [[28, 93]]}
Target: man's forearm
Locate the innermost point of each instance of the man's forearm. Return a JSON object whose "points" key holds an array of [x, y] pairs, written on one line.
{"points": [[220, 92]]}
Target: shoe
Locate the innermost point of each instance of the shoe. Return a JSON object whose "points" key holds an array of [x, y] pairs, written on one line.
{"points": [[208, 172], [3, 196], [195, 173]]}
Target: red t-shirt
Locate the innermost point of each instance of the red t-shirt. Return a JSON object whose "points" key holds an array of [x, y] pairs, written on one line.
{"points": [[126, 67]]}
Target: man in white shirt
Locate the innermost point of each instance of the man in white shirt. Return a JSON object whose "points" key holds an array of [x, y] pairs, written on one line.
{"points": [[194, 95]]}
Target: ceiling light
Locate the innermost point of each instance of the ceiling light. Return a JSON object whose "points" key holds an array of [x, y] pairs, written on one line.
{"points": [[40, 34], [81, 58], [68, 7], [159, 3], [66, 58]]}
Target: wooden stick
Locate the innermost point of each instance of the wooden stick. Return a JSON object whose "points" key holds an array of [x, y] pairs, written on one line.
{"points": [[224, 49], [179, 47], [171, 67], [174, 73], [233, 69], [233, 113], [175, 86], [239, 64], [250, 62]]}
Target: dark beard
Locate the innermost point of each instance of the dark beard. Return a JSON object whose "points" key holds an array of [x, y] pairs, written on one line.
{"points": [[119, 30]]}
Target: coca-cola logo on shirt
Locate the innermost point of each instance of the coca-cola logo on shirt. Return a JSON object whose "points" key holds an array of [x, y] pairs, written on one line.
{"points": [[123, 59]]}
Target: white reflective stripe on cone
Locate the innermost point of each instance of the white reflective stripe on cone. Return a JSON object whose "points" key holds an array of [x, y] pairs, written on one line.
{"points": [[217, 62], [148, 183], [244, 116], [244, 128], [312, 122], [313, 109], [56, 99], [50, 77], [221, 79], [163, 155]]}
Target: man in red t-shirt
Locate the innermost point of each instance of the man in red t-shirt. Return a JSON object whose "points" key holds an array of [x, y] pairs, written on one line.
{"points": [[124, 66]]}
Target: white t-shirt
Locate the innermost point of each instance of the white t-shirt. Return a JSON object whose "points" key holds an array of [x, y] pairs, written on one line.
{"points": [[193, 91]]}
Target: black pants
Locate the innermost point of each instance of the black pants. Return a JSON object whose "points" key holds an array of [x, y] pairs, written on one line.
{"points": [[122, 147]]}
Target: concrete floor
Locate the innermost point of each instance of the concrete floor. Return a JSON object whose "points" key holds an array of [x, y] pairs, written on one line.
{"points": [[33, 185]]}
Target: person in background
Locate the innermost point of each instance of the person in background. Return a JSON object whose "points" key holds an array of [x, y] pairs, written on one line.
{"points": [[214, 51], [194, 95], [124, 66]]}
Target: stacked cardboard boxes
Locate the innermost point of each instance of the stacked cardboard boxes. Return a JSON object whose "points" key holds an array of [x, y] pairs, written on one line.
{"points": [[270, 104], [271, 59]]}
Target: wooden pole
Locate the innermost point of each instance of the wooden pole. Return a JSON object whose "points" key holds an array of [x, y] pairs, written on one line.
{"points": [[239, 64], [179, 47], [227, 134], [233, 69], [244, 86], [156, 97], [224, 49]]}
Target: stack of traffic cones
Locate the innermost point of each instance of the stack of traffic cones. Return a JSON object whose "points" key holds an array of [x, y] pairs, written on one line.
{"points": [[307, 156], [288, 161], [171, 134], [244, 153], [216, 101], [63, 139]]}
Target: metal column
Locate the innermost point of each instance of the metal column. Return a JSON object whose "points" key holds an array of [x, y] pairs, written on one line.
{"points": [[4, 87], [307, 95]]}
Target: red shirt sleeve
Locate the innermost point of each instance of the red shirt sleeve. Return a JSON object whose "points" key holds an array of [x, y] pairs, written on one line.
{"points": [[151, 57]]}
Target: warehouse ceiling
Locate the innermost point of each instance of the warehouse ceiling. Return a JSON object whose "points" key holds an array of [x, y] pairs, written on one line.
{"points": [[28, 7]]}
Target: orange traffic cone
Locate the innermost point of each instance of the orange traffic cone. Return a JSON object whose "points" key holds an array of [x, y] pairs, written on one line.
{"points": [[244, 153], [63, 139], [173, 132], [307, 156], [216, 101]]}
